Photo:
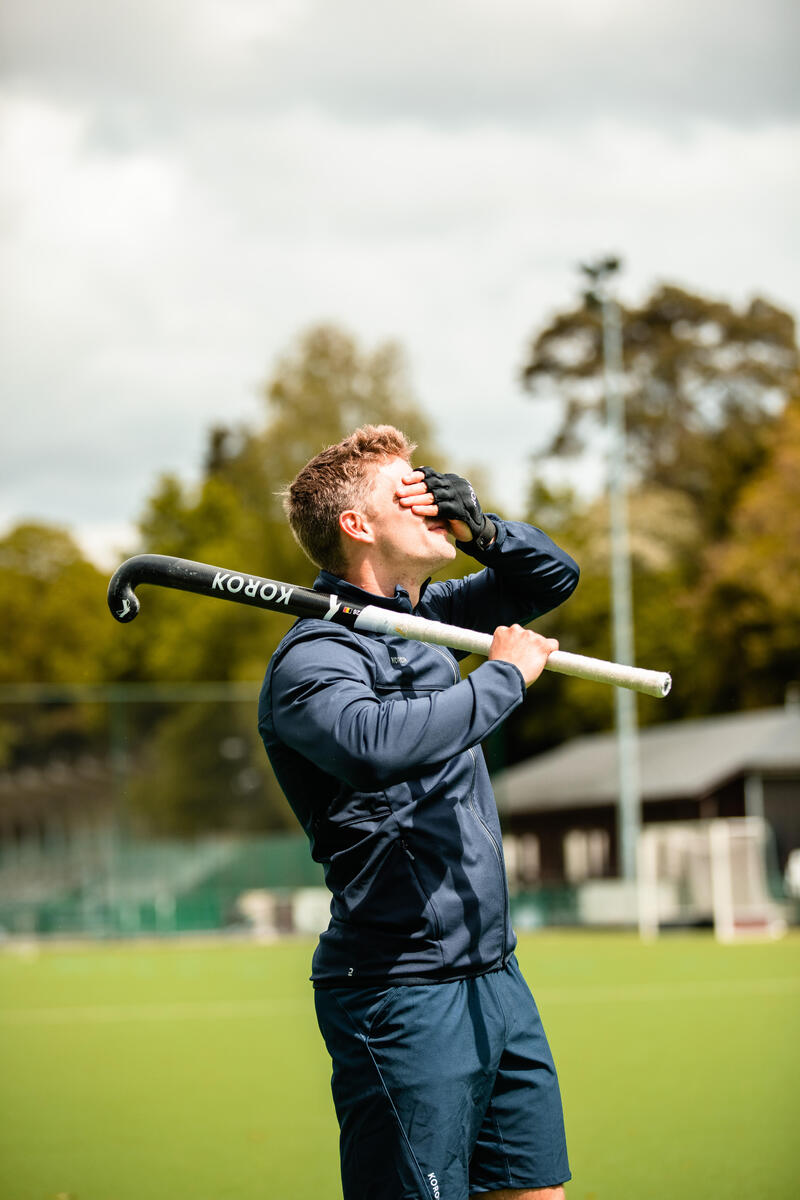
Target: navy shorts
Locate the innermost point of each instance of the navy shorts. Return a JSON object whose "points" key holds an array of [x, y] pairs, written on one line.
{"points": [[444, 1090]]}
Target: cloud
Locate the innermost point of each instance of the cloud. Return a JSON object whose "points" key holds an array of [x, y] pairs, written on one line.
{"points": [[186, 185], [163, 63], [153, 290]]}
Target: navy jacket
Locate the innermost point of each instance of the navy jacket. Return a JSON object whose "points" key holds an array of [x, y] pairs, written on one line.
{"points": [[375, 741]]}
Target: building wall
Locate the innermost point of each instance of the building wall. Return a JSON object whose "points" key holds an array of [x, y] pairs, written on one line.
{"points": [[778, 800], [552, 828], [782, 811]]}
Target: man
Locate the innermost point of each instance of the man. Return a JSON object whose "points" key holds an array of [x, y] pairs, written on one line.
{"points": [[443, 1082]]}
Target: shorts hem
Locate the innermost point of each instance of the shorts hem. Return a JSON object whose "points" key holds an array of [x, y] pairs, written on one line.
{"points": [[525, 1185]]}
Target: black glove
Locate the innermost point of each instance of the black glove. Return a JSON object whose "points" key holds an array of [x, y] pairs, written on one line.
{"points": [[457, 501]]}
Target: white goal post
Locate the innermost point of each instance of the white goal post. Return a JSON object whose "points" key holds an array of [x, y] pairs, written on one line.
{"points": [[707, 872]]}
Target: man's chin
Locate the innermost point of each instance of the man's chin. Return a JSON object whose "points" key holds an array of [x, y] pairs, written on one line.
{"points": [[446, 552]]}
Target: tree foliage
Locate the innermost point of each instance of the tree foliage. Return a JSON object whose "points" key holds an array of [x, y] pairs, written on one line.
{"points": [[711, 411], [322, 388], [750, 601], [198, 765], [703, 383], [713, 415], [55, 630]]}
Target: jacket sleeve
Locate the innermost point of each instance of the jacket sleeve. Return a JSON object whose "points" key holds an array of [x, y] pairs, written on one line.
{"points": [[324, 706], [525, 575]]}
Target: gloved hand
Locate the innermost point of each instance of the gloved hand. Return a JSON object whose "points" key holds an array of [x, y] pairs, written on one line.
{"points": [[456, 500]]}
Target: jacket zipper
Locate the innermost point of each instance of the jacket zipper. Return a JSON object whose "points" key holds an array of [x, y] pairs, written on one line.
{"points": [[495, 847]]}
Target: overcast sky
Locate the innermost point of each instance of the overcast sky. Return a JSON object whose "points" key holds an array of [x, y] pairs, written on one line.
{"points": [[187, 184]]}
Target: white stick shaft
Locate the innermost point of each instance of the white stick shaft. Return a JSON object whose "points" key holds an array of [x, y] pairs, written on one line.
{"points": [[382, 620], [651, 683]]}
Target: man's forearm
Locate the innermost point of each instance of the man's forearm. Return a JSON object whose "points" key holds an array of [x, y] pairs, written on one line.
{"points": [[528, 559], [527, 574]]}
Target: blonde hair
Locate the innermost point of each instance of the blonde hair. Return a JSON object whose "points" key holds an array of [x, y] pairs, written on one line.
{"points": [[336, 479]]}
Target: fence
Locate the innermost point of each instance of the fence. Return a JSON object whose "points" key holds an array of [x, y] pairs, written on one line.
{"points": [[95, 884], [99, 787]]}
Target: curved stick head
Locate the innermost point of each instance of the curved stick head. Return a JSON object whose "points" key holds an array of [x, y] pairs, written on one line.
{"points": [[122, 600]]}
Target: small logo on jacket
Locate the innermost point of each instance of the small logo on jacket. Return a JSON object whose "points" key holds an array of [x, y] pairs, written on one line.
{"points": [[398, 660], [434, 1182]]}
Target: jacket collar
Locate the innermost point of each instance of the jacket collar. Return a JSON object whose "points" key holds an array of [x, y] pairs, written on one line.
{"points": [[399, 602]]}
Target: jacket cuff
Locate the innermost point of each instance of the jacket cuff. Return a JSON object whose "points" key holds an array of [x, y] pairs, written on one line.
{"points": [[513, 667], [511, 677], [485, 554]]}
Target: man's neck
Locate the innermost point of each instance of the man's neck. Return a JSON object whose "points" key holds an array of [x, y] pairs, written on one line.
{"points": [[382, 581]]}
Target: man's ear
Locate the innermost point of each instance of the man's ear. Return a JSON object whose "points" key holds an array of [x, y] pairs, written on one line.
{"points": [[354, 525]]}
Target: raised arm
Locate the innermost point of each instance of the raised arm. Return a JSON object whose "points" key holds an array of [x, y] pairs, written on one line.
{"points": [[525, 574]]}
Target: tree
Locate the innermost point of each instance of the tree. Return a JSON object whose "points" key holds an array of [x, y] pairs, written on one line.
{"points": [[751, 594], [322, 388], [711, 417], [55, 630], [704, 383], [663, 541]]}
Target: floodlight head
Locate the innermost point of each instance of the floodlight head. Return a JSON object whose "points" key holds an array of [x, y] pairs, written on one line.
{"points": [[599, 270]]}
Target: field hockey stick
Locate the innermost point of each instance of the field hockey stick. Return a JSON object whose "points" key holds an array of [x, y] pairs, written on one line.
{"points": [[204, 580]]}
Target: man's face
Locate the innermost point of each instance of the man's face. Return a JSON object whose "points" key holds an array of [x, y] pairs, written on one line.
{"points": [[402, 539]]}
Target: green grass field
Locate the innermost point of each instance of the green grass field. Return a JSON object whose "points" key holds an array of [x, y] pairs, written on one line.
{"points": [[179, 1071]]}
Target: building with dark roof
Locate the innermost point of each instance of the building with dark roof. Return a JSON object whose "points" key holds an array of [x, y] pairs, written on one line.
{"points": [[559, 809]]}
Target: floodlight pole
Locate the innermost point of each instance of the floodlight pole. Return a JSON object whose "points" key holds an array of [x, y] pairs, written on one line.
{"points": [[629, 787]]}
